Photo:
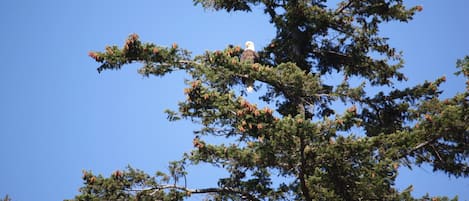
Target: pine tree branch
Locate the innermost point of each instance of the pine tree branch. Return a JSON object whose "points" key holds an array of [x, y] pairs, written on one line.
{"points": [[302, 172], [330, 52], [423, 144], [270, 9], [181, 62], [342, 8], [302, 166], [199, 191], [419, 146], [437, 154]]}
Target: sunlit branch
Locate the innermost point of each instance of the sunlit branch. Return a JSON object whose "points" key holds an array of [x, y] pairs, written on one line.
{"points": [[343, 7]]}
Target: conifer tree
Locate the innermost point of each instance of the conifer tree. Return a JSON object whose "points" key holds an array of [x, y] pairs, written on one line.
{"points": [[299, 138]]}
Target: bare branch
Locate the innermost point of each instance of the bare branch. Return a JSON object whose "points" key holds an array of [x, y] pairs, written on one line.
{"points": [[199, 191], [343, 7], [419, 146], [330, 52]]}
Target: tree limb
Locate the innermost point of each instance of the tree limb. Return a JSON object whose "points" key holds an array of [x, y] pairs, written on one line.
{"points": [[302, 172], [342, 8], [199, 191], [419, 146]]}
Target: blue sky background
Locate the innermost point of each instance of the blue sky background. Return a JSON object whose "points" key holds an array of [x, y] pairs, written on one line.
{"points": [[58, 116]]}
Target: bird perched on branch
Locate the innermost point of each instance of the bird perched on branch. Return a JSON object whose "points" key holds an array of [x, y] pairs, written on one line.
{"points": [[249, 55]]}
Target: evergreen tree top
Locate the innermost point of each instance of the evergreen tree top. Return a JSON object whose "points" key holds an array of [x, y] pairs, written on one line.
{"points": [[300, 140]]}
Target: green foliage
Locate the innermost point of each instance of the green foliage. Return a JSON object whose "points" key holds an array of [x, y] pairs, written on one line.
{"points": [[302, 142]]}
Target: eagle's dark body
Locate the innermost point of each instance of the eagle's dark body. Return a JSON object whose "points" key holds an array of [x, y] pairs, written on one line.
{"points": [[249, 56]]}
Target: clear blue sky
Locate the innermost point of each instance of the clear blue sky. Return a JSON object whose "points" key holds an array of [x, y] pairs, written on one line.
{"points": [[58, 116]]}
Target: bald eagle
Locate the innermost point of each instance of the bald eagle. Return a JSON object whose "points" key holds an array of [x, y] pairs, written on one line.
{"points": [[249, 55]]}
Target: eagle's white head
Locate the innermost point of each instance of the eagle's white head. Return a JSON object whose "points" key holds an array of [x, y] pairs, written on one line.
{"points": [[250, 45]]}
